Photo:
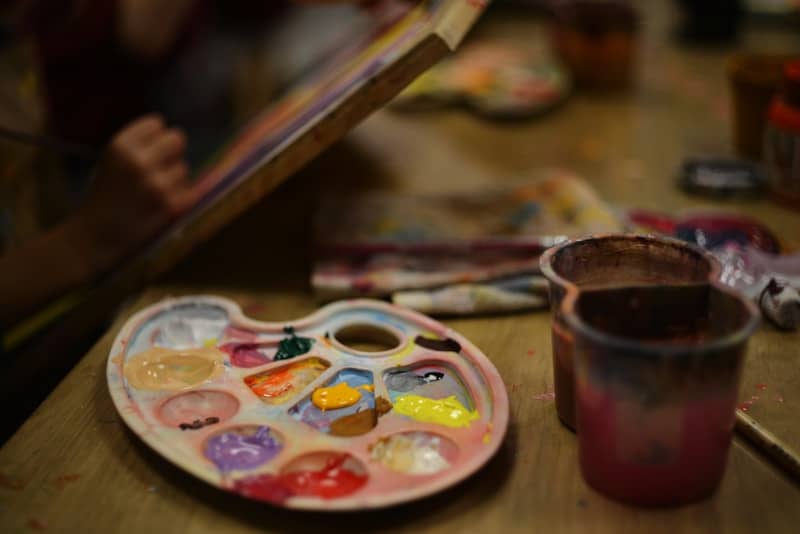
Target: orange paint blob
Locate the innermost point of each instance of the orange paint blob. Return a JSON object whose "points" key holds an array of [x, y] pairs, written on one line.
{"points": [[276, 387]]}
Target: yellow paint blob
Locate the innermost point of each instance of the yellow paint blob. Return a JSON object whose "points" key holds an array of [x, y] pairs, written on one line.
{"points": [[160, 369], [487, 437], [448, 411], [367, 387], [339, 396]]}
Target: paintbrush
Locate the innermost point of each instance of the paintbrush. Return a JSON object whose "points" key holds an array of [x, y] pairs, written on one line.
{"points": [[769, 444], [51, 143], [491, 296]]}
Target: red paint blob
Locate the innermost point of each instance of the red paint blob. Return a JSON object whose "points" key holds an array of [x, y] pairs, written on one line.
{"points": [[761, 387], [332, 481], [245, 354], [267, 488]]}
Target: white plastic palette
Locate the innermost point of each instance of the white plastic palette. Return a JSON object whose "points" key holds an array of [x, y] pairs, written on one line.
{"points": [[360, 405]]}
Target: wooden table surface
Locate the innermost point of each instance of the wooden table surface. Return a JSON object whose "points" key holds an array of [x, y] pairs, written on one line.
{"points": [[74, 466]]}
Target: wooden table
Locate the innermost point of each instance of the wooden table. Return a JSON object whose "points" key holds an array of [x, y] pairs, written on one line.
{"points": [[74, 466]]}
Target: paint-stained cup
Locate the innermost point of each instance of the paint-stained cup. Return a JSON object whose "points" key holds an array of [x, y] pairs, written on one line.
{"points": [[657, 378], [597, 39], [614, 260]]}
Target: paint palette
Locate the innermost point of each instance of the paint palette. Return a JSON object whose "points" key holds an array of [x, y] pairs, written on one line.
{"points": [[360, 405], [491, 79]]}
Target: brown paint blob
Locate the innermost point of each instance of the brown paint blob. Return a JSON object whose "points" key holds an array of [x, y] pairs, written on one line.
{"points": [[355, 424], [382, 406], [360, 422]]}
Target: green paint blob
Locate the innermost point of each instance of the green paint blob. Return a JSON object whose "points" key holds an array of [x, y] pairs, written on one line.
{"points": [[293, 346]]}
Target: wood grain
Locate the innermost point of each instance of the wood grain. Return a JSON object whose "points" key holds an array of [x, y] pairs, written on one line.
{"points": [[74, 467]]}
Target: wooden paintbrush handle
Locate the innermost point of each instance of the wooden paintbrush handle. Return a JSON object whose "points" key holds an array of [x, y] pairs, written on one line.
{"points": [[780, 453]]}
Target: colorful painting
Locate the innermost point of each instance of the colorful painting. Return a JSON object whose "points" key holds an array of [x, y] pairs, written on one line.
{"points": [[373, 405], [492, 79]]}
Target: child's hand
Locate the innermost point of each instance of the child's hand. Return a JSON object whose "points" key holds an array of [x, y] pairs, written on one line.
{"points": [[140, 186]]}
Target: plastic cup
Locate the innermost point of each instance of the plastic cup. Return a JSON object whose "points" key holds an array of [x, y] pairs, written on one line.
{"points": [[657, 380]]}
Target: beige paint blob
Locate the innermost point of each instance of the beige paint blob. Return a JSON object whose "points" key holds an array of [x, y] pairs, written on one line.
{"points": [[160, 369]]}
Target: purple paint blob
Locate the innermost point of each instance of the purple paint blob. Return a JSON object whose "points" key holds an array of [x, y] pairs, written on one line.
{"points": [[234, 451], [245, 354]]}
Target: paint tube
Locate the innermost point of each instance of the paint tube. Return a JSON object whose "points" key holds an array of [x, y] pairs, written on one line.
{"points": [[771, 280], [780, 302], [511, 294]]}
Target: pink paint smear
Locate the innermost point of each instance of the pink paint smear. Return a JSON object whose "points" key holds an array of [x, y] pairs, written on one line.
{"points": [[547, 395], [746, 405]]}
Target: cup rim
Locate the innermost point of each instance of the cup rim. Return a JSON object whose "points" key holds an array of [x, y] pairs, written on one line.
{"points": [[738, 336], [578, 325], [547, 258]]}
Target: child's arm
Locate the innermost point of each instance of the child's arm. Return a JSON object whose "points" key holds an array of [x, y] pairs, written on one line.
{"points": [[139, 187]]}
